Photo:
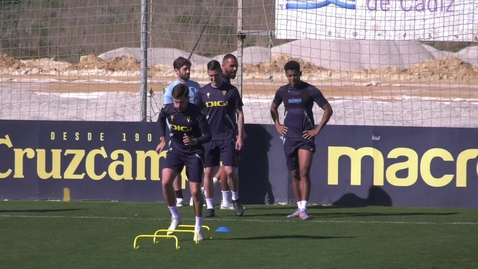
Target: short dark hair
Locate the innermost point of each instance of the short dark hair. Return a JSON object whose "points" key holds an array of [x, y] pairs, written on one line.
{"points": [[180, 62], [180, 90], [227, 57], [213, 65], [292, 65]]}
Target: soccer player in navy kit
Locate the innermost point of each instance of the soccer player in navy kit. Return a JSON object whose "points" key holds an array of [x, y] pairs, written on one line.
{"points": [[217, 100], [190, 131], [299, 130], [229, 71], [182, 68]]}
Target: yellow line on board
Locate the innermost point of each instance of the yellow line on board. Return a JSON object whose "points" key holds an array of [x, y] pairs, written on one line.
{"points": [[66, 195]]}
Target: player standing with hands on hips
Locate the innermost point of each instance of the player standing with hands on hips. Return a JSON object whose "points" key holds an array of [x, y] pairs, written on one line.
{"points": [[217, 100], [299, 130], [190, 131]]}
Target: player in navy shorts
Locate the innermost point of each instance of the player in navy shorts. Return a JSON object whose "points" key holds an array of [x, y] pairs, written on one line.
{"points": [[182, 68], [299, 130], [229, 70], [217, 100], [189, 132]]}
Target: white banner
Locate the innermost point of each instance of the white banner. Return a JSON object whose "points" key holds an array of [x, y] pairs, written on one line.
{"points": [[427, 20]]}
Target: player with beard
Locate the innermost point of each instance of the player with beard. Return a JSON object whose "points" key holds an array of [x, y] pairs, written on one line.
{"points": [[189, 131], [229, 71], [182, 68]]}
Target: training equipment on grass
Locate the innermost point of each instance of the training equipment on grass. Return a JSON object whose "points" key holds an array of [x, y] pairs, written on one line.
{"points": [[223, 229], [162, 233]]}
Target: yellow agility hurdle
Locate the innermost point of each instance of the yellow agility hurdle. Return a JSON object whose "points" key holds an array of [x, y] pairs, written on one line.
{"points": [[135, 246], [176, 231]]}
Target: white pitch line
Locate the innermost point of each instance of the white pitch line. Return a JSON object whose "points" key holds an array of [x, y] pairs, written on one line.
{"points": [[250, 220]]}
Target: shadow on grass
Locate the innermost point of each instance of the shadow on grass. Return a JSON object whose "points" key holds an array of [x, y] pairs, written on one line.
{"points": [[366, 214], [315, 213], [311, 237], [38, 210]]}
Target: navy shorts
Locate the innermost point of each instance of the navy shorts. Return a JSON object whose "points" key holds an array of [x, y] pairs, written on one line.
{"points": [[291, 150], [218, 151], [176, 161]]}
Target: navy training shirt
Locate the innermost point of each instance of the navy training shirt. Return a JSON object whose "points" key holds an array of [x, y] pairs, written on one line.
{"points": [[219, 106], [298, 103], [191, 122]]}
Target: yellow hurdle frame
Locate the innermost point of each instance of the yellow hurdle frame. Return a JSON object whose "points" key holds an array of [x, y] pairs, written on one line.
{"points": [[135, 246], [169, 236]]}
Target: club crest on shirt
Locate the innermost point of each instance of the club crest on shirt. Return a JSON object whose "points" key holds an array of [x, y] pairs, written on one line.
{"points": [[172, 117], [223, 92], [208, 94], [188, 118]]}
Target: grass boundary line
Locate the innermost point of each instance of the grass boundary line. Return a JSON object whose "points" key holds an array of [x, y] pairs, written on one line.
{"points": [[247, 220]]}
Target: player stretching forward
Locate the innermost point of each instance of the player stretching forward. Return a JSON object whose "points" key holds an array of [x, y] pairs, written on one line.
{"points": [[299, 130], [190, 130], [182, 68], [217, 99]]}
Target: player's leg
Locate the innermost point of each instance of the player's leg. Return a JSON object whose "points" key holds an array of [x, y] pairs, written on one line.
{"points": [[305, 162], [226, 202], [172, 166], [167, 177], [227, 197], [292, 162], [195, 169], [209, 190], [211, 160], [178, 191], [228, 160], [305, 154], [217, 176]]}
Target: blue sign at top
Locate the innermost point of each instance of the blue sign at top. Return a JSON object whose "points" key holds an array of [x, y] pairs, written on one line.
{"points": [[314, 4]]}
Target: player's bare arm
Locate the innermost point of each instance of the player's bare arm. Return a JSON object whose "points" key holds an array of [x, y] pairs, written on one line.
{"points": [[189, 140], [275, 118], [325, 118], [240, 127], [161, 144]]}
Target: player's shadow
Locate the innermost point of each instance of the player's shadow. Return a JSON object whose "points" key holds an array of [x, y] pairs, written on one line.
{"points": [[38, 210], [253, 172], [303, 237], [323, 214], [376, 197]]}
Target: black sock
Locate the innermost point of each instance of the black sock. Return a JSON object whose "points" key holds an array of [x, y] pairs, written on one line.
{"points": [[179, 194]]}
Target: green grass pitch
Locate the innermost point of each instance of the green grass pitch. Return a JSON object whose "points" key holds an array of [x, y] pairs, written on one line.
{"points": [[46, 235]]}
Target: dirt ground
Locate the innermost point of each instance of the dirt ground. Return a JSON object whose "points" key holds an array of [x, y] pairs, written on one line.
{"points": [[448, 77]]}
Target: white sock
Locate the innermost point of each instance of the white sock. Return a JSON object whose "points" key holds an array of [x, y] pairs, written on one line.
{"points": [[174, 211], [210, 203], [225, 197], [235, 195], [304, 204], [215, 180], [198, 223], [299, 204]]}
